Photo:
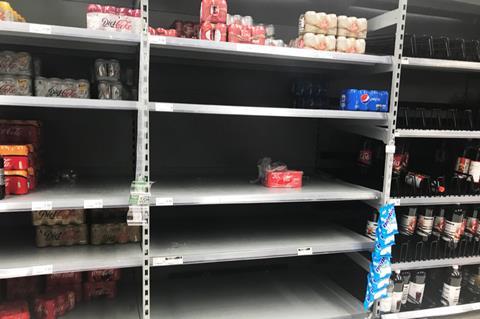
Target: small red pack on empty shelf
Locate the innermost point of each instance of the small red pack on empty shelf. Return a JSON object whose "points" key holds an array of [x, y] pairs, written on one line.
{"points": [[14, 310], [283, 179]]}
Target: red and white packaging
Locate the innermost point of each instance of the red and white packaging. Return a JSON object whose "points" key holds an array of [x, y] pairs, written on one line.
{"points": [[213, 11], [16, 182], [283, 179], [22, 288], [238, 33], [14, 310], [213, 32], [319, 42], [15, 162], [152, 31], [317, 23], [53, 305], [178, 26], [66, 278], [103, 275], [166, 32], [352, 27], [351, 45], [93, 290], [188, 30], [110, 18], [258, 34], [76, 288]]}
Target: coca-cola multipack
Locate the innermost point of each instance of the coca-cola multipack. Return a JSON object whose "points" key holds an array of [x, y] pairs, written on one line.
{"points": [[111, 18], [213, 19], [66, 88], [107, 75], [15, 73], [7, 13], [327, 32]]}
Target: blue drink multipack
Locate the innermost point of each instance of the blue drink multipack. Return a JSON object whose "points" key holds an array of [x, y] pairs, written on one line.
{"points": [[364, 100]]}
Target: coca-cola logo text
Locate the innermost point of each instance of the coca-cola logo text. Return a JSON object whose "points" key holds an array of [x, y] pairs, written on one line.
{"points": [[61, 92], [7, 89], [116, 24]]}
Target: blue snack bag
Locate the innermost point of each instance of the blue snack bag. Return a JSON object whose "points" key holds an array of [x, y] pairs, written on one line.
{"points": [[380, 268], [384, 240], [388, 220]]}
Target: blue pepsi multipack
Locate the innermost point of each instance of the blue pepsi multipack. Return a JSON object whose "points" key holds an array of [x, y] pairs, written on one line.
{"points": [[364, 100]]}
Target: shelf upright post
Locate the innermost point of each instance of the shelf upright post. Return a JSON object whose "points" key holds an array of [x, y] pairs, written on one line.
{"points": [[394, 98], [143, 156]]}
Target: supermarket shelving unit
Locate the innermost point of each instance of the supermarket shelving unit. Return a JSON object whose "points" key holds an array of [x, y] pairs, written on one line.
{"points": [[277, 295]]}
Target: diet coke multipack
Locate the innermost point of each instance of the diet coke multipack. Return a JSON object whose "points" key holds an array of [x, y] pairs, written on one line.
{"points": [[111, 18], [15, 73], [66, 88], [107, 76], [327, 32]]}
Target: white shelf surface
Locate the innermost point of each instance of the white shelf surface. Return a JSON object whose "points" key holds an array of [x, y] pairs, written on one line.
{"points": [[436, 263], [19, 257], [65, 37], [266, 111], [113, 193], [55, 102], [412, 133], [274, 294], [127, 305], [436, 312], [436, 200], [440, 65], [253, 241], [202, 191], [194, 46]]}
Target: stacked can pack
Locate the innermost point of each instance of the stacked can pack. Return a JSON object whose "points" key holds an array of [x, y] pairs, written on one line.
{"points": [[20, 147], [7, 13], [364, 100], [109, 227], [380, 267], [101, 283], [213, 20], [60, 228], [107, 75], [67, 88], [327, 32], [15, 73], [111, 18]]}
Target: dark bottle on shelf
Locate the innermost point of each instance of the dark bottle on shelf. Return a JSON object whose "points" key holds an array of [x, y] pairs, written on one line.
{"points": [[437, 231], [400, 165], [471, 228], [424, 231], [397, 292], [452, 233], [474, 170], [406, 286], [365, 161], [452, 287], [405, 239], [461, 177], [2, 179], [372, 224], [416, 290]]}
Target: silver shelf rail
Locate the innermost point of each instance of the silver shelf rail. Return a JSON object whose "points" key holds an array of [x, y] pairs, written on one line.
{"points": [[434, 312], [440, 65], [436, 200], [67, 103], [414, 133]]}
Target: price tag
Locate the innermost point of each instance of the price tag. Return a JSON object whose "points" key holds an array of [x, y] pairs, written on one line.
{"points": [[405, 61], [40, 28], [164, 107], [3, 207], [164, 201], [395, 201], [306, 251], [135, 215], [390, 149], [42, 270], [158, 39], [167, 261], [93, 203], [46, 205]]}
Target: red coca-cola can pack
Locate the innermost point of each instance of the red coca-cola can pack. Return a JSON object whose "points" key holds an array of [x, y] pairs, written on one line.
{"points": [[214, 11], [213, 32]]}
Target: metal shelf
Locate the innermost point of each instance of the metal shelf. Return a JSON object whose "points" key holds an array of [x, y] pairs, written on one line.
{"points": [[193, 48], [273, 294], [45, 35], [266, 111], [112, 193], [253, 241], [20, 257], [435, 312], [436, 263], [440, 65], [203, 191], [55, 102], [412, 133], [437, 200]]}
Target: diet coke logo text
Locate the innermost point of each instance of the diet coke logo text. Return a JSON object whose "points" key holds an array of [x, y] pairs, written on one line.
{"points": [[123, 24]]}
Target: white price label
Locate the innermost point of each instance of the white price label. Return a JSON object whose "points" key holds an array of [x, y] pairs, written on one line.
{"points": [[158, 39], [390, 149], [45, 205], [395, 201], [305, 251], [135, 215], [164, 107], [3, 207], [40, 28], [42, 270], [93, 203], [164, 201], [405, 61], [167, 261]]}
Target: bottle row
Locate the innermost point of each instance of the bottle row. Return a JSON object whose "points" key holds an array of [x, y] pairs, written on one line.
{"points": [[433, 288]]}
